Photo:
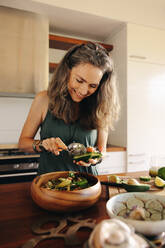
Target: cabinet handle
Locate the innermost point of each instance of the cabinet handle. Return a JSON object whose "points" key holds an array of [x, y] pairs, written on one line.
{"points": [[137, 57], [137, 162], [137, 154]]}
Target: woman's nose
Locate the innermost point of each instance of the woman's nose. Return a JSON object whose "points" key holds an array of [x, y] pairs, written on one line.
{"points": [[84, 89]]}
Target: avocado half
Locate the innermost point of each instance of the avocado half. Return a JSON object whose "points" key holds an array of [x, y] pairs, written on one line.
{"points": [[136, 188]]}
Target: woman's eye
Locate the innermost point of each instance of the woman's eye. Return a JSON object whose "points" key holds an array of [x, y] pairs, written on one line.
{"points": [[93, 85], [79, 80]]}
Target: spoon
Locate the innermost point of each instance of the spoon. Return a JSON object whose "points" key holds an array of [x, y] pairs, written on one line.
{"points": [[76, 149], [73, 148]]}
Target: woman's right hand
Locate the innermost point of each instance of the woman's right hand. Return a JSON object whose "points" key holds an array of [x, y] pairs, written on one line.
{"points": [[54, 145]]}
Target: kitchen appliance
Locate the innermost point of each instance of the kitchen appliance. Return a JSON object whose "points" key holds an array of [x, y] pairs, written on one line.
{"points": [[17, 166]]}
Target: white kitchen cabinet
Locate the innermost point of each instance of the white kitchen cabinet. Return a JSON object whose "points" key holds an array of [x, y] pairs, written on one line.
{"points": [[141, 71], [145, 95], [145, 44], [114, 162], [145, 113], [138, 161]]}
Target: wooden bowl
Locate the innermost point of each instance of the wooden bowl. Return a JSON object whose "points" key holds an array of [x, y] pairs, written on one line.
{"points": [[64, 201]]}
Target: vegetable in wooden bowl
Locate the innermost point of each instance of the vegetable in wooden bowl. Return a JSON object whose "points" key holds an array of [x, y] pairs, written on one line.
{"points": [[65, 191]]}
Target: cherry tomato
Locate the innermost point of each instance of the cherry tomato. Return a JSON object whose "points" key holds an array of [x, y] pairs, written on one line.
{"points": [[90, 149]]}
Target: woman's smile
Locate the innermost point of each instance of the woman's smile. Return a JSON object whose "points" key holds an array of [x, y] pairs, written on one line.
{"points": [[79, 95]]}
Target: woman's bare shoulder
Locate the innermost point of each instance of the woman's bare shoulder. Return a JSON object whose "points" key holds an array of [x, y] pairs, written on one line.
{"points": [[41, 102], [42, 97]]}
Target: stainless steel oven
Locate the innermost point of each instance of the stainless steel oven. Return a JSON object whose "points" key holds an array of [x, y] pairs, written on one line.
{"points": [[17, 166]]}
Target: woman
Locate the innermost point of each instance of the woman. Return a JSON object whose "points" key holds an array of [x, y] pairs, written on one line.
{"points": [[81, 103]]}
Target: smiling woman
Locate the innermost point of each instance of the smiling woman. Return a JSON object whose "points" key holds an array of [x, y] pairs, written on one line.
{"points": [[84, 81], [80, 104]]}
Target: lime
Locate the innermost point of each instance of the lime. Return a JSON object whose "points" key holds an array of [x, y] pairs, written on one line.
{"points": [[114, 179], [145, 178], [159, 182], [161, 173]]}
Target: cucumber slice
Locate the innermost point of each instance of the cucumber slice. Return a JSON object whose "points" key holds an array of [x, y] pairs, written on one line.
{"points": [[145, 178], [83, 183], [136, 188]]}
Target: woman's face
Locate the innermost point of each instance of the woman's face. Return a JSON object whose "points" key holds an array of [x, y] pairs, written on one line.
{"points": [[84, 81]]}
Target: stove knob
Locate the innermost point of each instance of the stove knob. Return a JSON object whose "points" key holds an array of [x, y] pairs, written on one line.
{"points": [[31, 165], [16, 166]]}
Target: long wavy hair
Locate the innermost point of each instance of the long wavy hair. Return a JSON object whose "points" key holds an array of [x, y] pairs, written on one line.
{"points": [[101, 109]]}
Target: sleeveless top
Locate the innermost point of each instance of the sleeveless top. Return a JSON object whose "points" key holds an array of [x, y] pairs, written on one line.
{"points": [[68, 133]]}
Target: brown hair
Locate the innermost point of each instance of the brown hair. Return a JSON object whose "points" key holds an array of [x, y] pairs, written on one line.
{"points": [[99, 109]]}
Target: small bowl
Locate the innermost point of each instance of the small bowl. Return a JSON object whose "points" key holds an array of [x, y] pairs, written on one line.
{"points": [[65, 201], [146, 227]]}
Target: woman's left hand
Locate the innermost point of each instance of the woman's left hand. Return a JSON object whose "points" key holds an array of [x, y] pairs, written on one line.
{"points": [[90, 162]]}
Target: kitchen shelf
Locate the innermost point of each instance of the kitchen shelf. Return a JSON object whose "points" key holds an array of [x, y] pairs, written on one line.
{"points": [[17, 95], [52, 66], [64, 43]]}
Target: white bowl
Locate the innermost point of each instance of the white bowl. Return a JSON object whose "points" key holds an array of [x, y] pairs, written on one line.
{"points": [[146, 227]]}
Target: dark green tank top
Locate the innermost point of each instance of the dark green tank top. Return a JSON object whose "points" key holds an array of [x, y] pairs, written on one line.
{"points": [[53, 127]]}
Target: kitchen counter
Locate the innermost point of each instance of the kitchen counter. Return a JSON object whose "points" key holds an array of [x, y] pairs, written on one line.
{"points": [[110, 148], [18, 213], [10, 147]]}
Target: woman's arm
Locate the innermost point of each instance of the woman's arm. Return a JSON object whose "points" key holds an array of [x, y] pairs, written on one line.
{"points": [[34, 119], [102, 139]]}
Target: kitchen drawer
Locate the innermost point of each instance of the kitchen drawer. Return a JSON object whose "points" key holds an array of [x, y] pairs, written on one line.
{"points": [[138, 162], [114, 162]]}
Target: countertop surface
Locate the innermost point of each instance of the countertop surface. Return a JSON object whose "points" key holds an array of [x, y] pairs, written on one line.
{"points": [[109, 147], [18, 214]]}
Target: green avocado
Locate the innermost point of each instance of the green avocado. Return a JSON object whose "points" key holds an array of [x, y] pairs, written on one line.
{"points": [[135, 188], [86, 156], [161, 173]]}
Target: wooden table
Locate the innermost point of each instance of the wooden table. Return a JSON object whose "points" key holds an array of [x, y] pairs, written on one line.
{"points": [[18, 213]]}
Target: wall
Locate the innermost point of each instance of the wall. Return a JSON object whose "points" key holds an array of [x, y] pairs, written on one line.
{"points": [[119, 55], [13, 112]]}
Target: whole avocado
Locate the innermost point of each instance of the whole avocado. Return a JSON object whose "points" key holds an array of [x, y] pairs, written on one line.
{"points": [[161, 172]]}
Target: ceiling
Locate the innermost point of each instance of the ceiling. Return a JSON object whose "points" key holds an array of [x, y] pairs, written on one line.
{"points": [[66, 21], [82, 24], [97, 26]]}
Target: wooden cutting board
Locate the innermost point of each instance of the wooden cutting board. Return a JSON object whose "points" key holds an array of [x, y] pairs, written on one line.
{"points": [[113, 190]]}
